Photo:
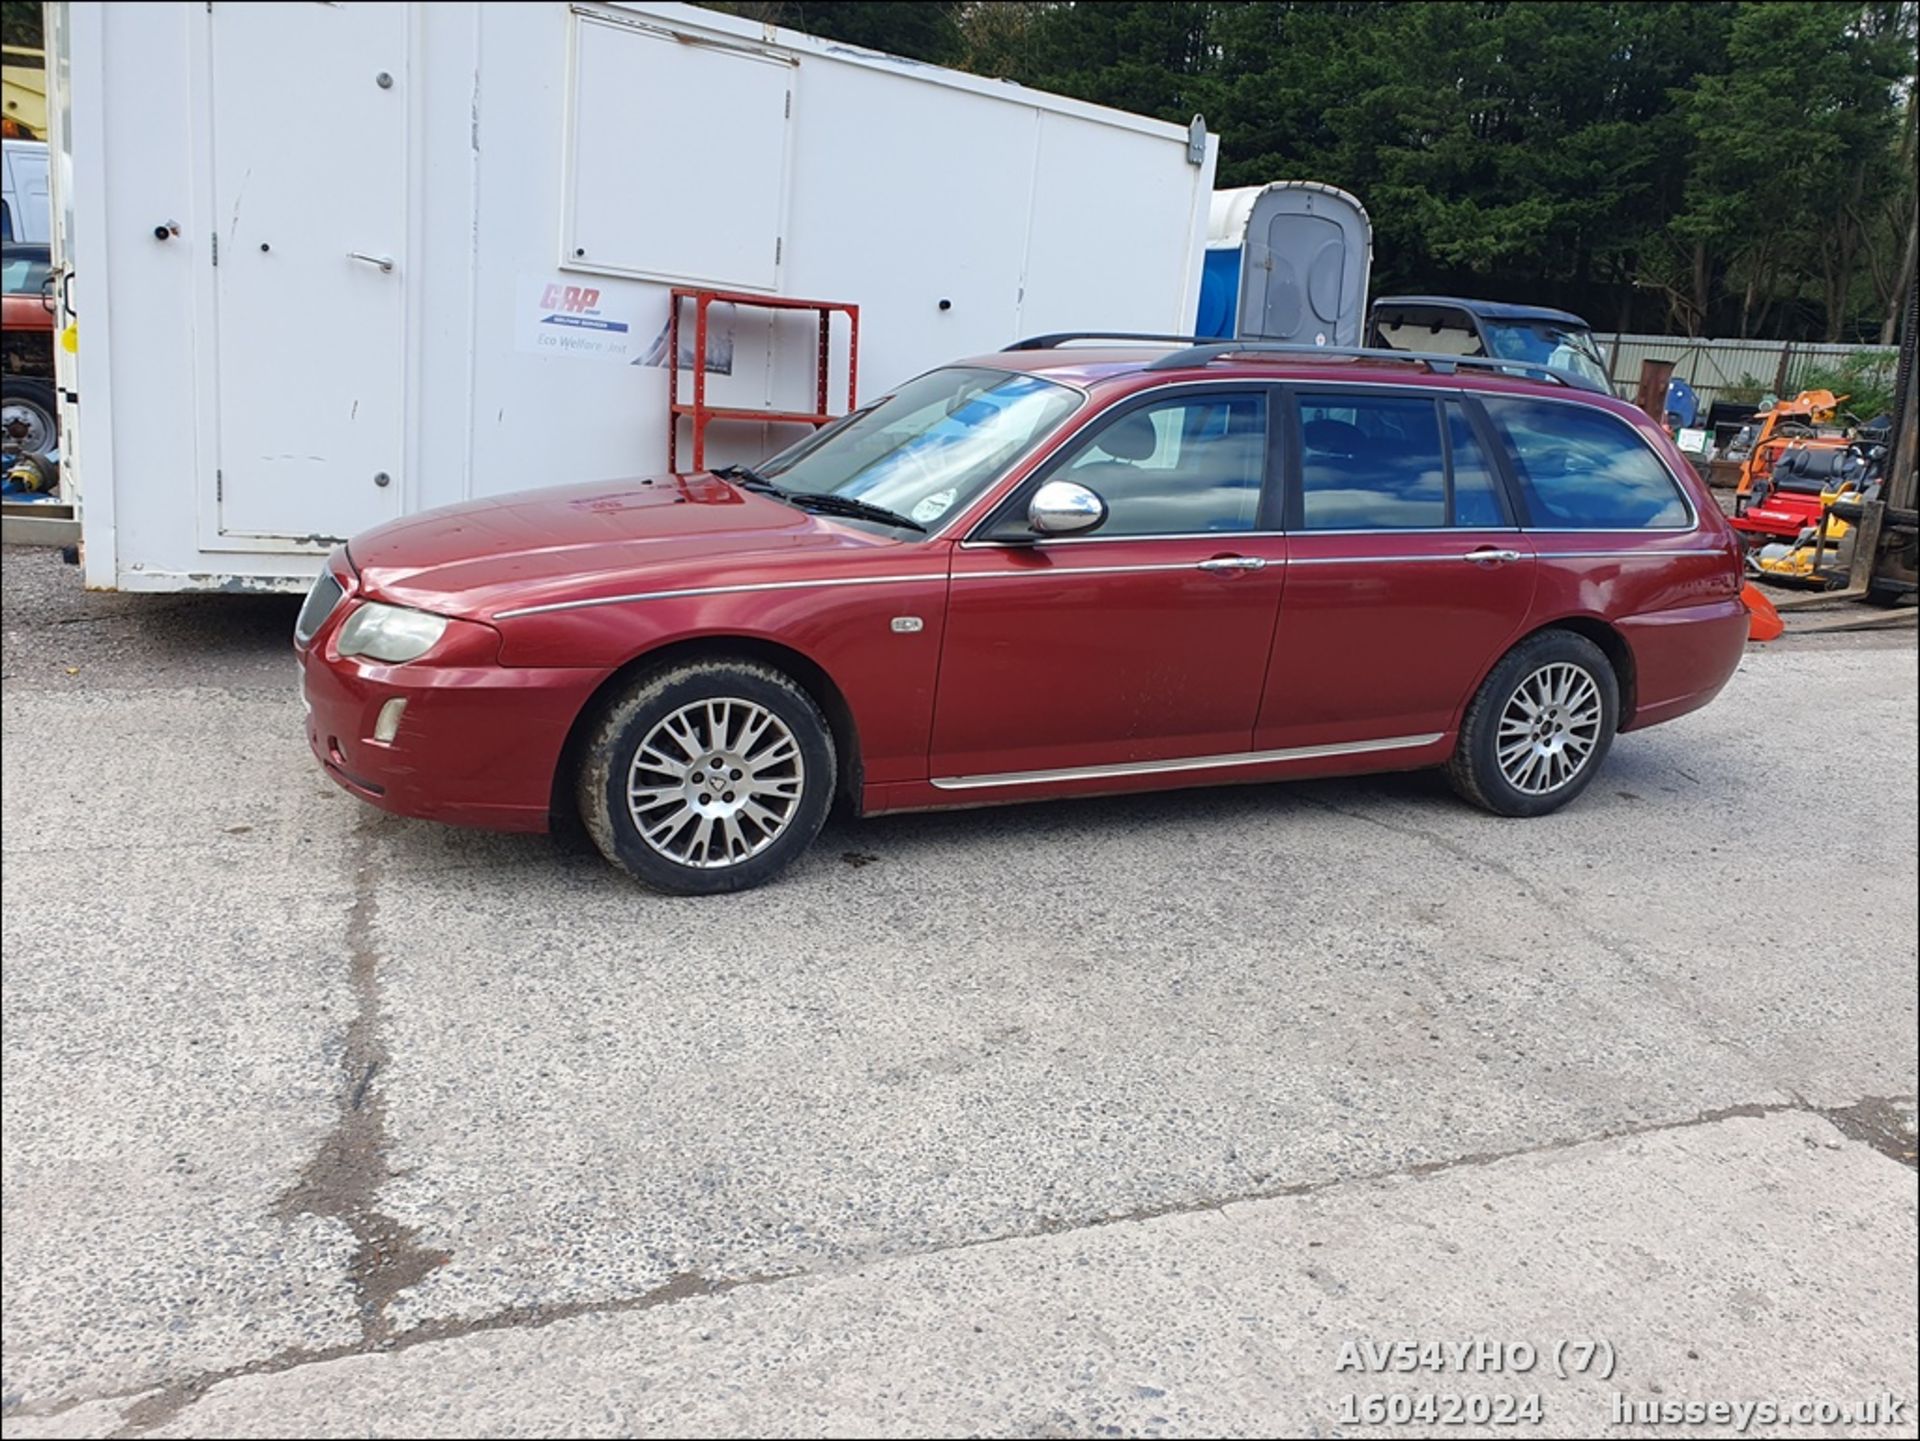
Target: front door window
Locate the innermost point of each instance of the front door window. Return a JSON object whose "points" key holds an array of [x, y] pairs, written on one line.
{"points": [[1187, 466]]}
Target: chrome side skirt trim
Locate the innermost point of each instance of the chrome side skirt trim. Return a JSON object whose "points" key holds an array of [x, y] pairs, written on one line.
{"points": [[1188, 763], [715, 590]]}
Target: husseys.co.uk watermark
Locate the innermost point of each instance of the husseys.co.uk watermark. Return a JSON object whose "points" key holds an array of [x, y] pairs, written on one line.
{"points": [[1886, 1409]]}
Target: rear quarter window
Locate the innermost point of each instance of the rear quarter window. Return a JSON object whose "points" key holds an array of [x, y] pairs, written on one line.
{"points": [[1583, 469]]}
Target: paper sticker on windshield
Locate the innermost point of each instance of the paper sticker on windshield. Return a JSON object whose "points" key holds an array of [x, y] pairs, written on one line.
{"points": [[934, 506]]}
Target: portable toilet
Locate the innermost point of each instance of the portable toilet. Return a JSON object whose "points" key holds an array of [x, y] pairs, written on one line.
{"points": [[1287, 261]]}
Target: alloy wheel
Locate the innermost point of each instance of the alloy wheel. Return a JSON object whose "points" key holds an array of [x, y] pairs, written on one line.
{"points": [[1549, 728], [715, 783]]}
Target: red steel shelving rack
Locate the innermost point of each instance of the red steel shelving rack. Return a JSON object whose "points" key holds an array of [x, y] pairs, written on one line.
{"points": [[702, 415]]}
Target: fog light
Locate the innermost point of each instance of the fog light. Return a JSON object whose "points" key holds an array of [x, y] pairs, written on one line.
{"points": [[388, 725]]}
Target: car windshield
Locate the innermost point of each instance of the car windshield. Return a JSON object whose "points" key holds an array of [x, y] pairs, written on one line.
{"points": [[930, 447], [23, 272], [1544, 344]]}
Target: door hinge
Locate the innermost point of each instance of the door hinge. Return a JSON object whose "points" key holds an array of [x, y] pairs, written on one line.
{"points": [[216, 249], [789, 93], [776, 250], [219, 483]]}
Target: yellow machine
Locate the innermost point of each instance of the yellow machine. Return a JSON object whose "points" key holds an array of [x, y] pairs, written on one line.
{"points": [[1813, 557]]}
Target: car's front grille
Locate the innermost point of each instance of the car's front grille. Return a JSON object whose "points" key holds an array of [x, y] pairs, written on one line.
{"points": [[321, 600]]}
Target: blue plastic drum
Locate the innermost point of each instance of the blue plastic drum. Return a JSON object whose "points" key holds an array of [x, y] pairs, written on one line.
{"points": [[1682, 403]]}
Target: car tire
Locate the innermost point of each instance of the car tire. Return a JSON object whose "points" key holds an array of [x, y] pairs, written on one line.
{"points": [[658, 807], [1539, 728], [31, 393]]}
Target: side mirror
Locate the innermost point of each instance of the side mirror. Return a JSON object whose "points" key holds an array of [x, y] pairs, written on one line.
{"points": [[1064, 507]]}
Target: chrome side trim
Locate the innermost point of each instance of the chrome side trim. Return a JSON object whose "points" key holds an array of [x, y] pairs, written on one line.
{"points": [[1064, 571], [1500, 555], [1377, 559], [1046, 542], [714, 590], [1463, 530], [1189, 763], [1622, 554]]}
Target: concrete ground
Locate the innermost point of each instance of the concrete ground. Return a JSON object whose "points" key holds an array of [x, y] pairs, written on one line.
{"points": [[1166, 1115]]}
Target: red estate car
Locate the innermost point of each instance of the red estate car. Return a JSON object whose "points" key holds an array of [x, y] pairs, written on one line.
{"points": [[1054, 571]]}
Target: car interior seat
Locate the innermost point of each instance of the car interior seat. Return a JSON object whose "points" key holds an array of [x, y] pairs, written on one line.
{"points": [[1334, 437], [1116, 453]]}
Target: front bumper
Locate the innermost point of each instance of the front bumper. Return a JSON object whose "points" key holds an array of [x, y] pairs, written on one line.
{"points": [[478, 744]]}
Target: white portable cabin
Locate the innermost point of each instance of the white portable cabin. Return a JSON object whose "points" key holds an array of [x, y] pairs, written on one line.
{"points": [[338, 263], [1288, 261]]}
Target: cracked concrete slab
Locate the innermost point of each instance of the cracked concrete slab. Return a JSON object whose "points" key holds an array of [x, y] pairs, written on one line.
{"points": [[1740, 1259], [431, 1082]]}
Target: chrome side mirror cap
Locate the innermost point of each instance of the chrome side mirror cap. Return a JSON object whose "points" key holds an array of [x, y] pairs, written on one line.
{"points": [[1064, 507]]}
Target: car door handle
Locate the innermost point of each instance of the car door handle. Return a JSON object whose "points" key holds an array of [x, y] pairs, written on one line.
{"points": [[1491, 557], [385, 262], [1232, 563]]}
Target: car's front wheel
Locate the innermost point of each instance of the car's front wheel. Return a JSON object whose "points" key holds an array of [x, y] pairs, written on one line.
{"points": [[1539, 727], [707, 777]]}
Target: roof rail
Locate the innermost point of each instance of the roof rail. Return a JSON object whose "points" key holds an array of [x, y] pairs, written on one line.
{"points": [[1206, 354], [1059, 338]]}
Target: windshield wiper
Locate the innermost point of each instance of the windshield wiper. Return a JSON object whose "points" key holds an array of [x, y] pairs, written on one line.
{"points": [[748, 478], [830, 504]]}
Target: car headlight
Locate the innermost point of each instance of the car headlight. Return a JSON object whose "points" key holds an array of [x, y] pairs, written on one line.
{"points": [[390, 633]]}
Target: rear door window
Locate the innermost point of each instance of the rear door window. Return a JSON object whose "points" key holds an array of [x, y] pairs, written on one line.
{"points": [[1371, 462], [1393, 462], [1582, 469]]}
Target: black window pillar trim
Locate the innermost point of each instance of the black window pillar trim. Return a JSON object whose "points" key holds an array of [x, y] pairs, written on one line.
{"points": [[1512, 492], [1272, 514], [1447, 515], [1294, 513]]}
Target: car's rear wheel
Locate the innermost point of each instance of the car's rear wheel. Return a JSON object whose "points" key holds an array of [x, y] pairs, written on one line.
{"points": [[707, 777], [1539, 727]]}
